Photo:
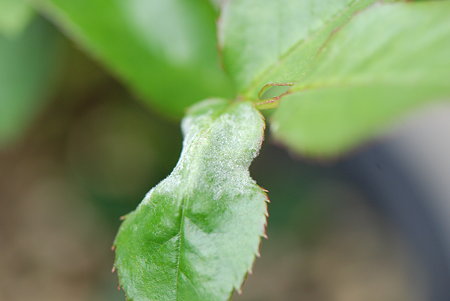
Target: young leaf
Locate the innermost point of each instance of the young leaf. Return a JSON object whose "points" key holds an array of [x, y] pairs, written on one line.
{"points": [[165, 50], [389, 59], [195, 235]]}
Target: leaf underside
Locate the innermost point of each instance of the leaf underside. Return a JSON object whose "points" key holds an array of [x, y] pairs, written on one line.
{"points": [[195, 235]]}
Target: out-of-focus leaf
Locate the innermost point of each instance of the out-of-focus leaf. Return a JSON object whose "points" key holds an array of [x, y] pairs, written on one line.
{"points": [[353, 66], [14, 16], [276, 41], [165, 50], [389, 59], [195, 235], [28, 64]]}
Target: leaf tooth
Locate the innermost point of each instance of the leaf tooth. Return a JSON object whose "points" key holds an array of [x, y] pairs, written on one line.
{"points": [[266, 214], [265, 191], [237, 288], [264, 234]]}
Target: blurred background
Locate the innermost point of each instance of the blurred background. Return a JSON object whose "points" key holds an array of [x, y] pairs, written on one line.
{"points": [[78, 151]]}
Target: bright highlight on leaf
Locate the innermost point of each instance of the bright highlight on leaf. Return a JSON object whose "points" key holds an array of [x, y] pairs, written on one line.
{"points": [[195, 235]]}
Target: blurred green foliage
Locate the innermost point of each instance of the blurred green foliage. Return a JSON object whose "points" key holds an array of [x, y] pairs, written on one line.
{"points": [[29, 62], [165, 50], [116, 150], [353, 66], [367, 76], [14, 16]]}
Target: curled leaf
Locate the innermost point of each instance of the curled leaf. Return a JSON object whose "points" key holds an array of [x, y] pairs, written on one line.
{"points": [[195, 235]]}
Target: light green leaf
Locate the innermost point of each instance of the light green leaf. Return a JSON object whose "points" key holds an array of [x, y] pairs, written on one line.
{"points": [[195, 235], [387, 60], [267, 41], [14, 16], [28, 63], [164, 50]]}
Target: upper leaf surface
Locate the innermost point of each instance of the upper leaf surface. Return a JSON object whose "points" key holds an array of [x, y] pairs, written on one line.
{"points": [[195, 235], [274, 41], [165, 50], [388, 59]]}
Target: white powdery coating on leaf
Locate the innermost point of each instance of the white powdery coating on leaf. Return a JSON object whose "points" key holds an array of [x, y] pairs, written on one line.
{"points": [[223, 147], [233, 148], [206, 217]]}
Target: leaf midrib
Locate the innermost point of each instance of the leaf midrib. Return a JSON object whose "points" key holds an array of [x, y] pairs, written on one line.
{"points": [[186, 192]]}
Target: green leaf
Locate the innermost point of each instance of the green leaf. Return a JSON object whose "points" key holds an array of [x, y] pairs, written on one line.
{"points": [[388, 60], [164, 50], [14, 16], [29, 63], [353, 66], [195, 235], [267, 41]]}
